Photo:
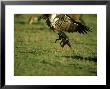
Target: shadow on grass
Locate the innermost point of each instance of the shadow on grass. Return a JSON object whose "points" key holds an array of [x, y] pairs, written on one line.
{"points": [[20, 22], [91, 44], [81, 58]]}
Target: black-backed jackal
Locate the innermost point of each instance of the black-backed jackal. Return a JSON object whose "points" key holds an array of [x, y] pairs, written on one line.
{"points": [[32, 19]]}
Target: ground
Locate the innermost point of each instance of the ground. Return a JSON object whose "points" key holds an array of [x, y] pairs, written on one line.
{"points": [[35, 53]]}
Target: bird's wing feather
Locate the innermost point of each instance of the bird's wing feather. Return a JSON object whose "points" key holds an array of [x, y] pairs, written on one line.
{"points": [[80, 28], [66, 23]]}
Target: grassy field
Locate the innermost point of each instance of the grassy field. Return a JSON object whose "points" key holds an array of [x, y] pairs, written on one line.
{"points": [[35, 53]]}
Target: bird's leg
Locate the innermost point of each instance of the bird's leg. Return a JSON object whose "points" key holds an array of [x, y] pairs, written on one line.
{"points": [[62, 45], [69, 44], [56, 40], [61, 42], [60, 49]]}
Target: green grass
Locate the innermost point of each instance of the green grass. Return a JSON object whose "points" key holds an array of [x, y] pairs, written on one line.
{"points": [[35, 51]]}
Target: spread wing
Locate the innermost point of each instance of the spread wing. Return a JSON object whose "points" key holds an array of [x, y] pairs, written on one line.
{"points": [[66, 23], [79, 26]]}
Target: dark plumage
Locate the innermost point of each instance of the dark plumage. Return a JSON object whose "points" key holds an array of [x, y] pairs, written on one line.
{"points": [[79, 26], [64, 22]]}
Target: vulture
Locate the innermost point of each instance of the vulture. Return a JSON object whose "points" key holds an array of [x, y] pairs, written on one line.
{"points": [[62, 23]]}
